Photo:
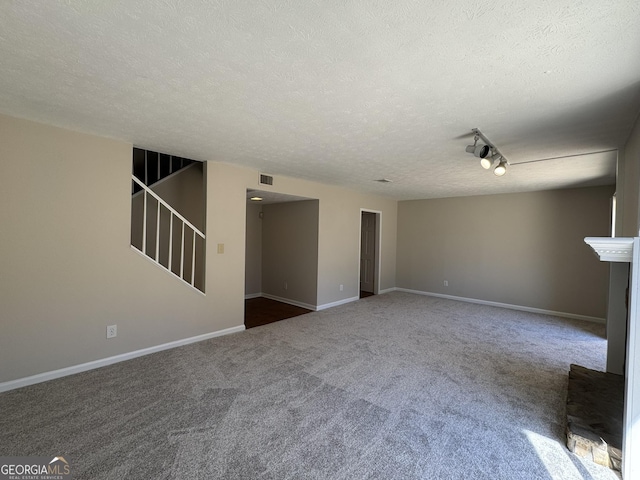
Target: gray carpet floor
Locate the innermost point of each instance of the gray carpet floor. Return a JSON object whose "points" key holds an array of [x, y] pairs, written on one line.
{"points": [[395, 386]]}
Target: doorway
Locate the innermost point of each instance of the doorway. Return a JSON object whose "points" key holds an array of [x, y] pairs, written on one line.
{"points": [[281, 256], [369, 252]]}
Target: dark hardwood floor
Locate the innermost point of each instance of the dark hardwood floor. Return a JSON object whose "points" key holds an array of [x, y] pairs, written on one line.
{"points": [[364, 294], [261, 311]]}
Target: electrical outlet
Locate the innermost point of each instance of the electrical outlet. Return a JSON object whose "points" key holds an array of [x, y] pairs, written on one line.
{"points": [[341, 288], [446, 283], [112, 331]]}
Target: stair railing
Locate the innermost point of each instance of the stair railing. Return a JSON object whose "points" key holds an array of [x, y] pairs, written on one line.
{"points": [[181, 224]]}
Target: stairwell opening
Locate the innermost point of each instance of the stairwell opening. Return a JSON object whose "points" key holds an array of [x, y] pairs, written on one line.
{"points": [[168, 211]]}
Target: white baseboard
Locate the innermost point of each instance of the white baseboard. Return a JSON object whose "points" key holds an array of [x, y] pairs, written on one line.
{"points": [[249, 296], [83, 367], [308, 306], [295, 303], [336, 303], [507, 305], [387, 290]]}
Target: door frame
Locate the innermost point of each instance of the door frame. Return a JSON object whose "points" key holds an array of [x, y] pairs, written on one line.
{"points": [[378, 252]]}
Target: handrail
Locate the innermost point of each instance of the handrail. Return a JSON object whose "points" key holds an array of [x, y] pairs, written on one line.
{"points": [[167, 206]]}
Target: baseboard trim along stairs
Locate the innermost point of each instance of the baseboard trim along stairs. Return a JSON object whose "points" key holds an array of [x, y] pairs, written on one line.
{"points": [[103, 362]]}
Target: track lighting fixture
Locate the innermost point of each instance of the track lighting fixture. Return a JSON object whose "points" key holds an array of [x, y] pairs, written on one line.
{"points": [[488, 153]]}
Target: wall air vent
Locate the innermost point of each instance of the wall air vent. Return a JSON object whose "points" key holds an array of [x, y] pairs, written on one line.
{"points": [[266, 179]]}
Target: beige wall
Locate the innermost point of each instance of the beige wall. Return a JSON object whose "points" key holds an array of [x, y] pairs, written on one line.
{"points": [[522, 249], [253, 245], [186, 192], [290, 251], [68, 269]]}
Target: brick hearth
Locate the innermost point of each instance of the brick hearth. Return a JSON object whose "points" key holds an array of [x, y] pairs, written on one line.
{"points": [[595, 404]]}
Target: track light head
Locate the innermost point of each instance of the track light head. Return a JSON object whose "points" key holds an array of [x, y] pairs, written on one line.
{"points": [[488, 161], [501, 169], [479, 150]]}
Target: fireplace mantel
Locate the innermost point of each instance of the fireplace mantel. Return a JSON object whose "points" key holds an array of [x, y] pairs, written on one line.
{"points": [[612, 249]]}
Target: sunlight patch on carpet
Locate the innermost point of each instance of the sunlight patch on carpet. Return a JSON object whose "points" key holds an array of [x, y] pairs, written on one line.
{"points": [[554, 457]]}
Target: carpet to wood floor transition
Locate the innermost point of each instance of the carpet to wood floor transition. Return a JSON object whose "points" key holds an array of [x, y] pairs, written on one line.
{"points": [[262, 311]]}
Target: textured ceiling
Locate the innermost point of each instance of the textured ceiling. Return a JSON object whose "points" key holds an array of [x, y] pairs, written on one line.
{"points": [[340, 92]]}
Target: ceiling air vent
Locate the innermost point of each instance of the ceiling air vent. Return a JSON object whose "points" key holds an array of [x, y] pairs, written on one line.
{"points": [[266, 179]]}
